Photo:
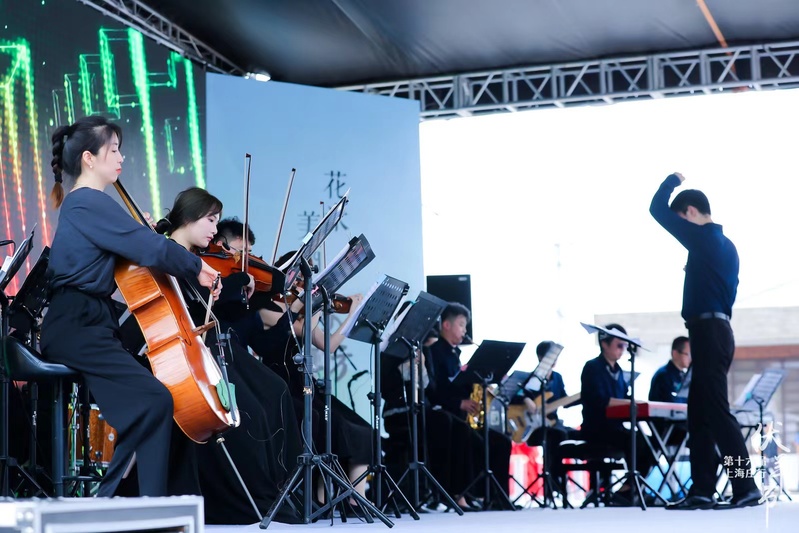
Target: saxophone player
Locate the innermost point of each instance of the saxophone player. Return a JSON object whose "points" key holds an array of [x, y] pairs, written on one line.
{"points": [[445, 364]]}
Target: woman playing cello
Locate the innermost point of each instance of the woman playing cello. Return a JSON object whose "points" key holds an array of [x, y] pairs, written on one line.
{"points": [[80, 329]]}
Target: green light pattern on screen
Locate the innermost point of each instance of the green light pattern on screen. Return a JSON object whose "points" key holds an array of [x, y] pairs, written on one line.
{"points": [[21, 72], [194, 126], [90, 84], [109, 76], [139, 65]]}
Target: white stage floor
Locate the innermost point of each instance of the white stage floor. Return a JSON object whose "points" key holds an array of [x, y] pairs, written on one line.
{"points": [[783, 517]]}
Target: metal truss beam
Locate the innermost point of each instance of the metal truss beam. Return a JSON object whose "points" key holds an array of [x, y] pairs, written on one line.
{"points": [[137, 15], [756, 67]]}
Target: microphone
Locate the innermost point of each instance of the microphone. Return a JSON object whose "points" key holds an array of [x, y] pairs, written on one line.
{"points": [[468, 340], [6, 242], [349, 385]]}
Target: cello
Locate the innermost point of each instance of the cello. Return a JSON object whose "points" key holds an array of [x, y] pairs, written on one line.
{"points": [[178, 357]]}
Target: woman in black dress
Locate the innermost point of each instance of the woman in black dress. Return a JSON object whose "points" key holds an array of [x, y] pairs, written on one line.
{"points": [[265, 445]]}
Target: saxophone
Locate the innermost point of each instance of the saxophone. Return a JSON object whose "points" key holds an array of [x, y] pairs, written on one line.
{"points": [[476, 421]]}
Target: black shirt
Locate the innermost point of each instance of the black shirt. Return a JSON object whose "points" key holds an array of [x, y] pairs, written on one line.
{"points": [[666, 383], [600, 383], [93, 230], [445, 364], [711, 273]]}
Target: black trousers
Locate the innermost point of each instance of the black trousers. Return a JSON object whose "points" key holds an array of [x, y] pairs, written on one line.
{"points": [[621, 439], [81, 332], [710, 422], [555, 435]]}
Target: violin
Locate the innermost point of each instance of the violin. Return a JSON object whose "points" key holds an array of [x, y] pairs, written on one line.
{"points": [[339, 303], [267, 279]]}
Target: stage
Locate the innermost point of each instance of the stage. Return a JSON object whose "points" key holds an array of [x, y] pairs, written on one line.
{"points": [[782, 517]]}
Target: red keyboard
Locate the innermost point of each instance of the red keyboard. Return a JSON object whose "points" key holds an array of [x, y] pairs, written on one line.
{"points": [[665, 410]]}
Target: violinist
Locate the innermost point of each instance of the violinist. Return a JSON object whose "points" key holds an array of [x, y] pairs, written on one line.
{"points": [[265, 445], [351, 433], [80, 329]]}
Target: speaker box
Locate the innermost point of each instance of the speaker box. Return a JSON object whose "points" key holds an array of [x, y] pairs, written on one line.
{"points": [[453, 288]]}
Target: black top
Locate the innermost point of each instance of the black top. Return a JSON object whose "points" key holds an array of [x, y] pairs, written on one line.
{"points": [[445, 364], [666, 383], [711, 273], [93, 230], [600, 383]]}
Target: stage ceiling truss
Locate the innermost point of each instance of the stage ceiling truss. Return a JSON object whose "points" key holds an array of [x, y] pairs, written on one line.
{"points": [[137, 15], [756, 67]]}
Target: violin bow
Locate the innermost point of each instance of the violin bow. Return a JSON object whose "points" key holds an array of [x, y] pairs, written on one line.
{"points": [[283, 216], [324, 244], [245, 241]]}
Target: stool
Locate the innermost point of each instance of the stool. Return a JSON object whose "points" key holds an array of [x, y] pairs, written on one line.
{"points": [[24, 364], [596, 459]]}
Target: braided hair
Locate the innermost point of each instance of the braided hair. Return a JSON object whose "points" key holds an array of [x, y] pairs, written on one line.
{"points": [[70, 142]]}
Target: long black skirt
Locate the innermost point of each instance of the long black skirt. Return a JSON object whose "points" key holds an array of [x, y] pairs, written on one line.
{"points": [[264, 447]]}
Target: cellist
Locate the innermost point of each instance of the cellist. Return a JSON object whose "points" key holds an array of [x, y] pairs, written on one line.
{"points": [[80, 328]]}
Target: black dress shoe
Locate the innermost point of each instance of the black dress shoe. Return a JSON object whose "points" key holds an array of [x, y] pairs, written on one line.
{"points": [[691, 503], [749, 499]]}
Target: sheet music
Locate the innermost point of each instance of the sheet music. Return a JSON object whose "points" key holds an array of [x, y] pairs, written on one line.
{"points": [[356, 313], [332, 263], [392, 327]]}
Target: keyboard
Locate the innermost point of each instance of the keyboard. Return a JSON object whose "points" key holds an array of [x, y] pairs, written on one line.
{"points": [[662, 410]]}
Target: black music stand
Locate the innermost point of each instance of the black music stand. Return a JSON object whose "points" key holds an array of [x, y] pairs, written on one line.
{"points": [[404, 342], [313, 241], [758, 399], [633, 475], [540, 377], [351, 260], [301, 479], [9, 269], [491, 361], [368, 325]]}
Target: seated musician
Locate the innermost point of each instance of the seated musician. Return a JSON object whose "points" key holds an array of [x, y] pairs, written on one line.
{"points": [[445, 359], [603, 385], [264, 445], [557, 432], [671, 383], [453, 467], [674, 376]]}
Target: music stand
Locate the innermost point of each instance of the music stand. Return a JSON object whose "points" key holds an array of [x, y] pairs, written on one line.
{"points": [[352, 259], [313, 240], [540, 376], [758, 399], [491, 361], [367, 325], [9, 269], [632, 475], [403, 342], [301, 479]]}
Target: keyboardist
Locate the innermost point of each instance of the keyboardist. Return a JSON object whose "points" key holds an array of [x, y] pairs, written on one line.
{"points": [[603, 385], [671, 380]]}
